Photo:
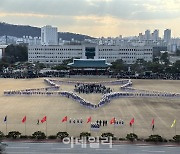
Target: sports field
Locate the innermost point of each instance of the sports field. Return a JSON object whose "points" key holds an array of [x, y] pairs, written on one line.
{"points": [[164, 111]]}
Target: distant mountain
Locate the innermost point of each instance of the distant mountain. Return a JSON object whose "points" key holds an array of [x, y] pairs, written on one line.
{"points": [[25, 30]]}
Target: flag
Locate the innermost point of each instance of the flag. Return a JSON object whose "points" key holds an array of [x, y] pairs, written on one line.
{"points": [[112, 121], [64, 119], [43, 119], [152, 123], [24, 119], [89, 120], [174, 122], [5, 118], [131, 122]]}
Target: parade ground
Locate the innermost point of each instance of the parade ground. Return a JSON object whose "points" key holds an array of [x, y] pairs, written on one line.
{"points": [[143, 110]]}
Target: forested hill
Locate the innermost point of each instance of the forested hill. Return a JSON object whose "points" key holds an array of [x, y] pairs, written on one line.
{"points": [[25, 30]]}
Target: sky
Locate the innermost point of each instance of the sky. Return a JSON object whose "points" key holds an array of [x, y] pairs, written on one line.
{"points": [[96, 18]]}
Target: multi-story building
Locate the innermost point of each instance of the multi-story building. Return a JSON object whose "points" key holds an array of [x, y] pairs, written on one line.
{"points": [[167, 35], [155, 35], [147, 35], [54, 55], [49, 35]]}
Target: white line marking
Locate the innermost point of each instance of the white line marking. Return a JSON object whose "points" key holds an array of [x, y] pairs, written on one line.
{"points": [[61, 148], [107, 149], [17, 147], [119, 145], [153, 151]]}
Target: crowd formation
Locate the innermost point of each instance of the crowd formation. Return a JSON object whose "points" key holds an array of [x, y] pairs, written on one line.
{"points": [[91, 88]]}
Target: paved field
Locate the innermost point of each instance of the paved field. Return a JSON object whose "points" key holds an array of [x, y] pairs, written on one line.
{"points": [[55, 108], [56, 148]]}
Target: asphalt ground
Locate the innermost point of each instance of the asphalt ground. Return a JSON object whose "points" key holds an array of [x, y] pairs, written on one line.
{"points": [[56, 148]]}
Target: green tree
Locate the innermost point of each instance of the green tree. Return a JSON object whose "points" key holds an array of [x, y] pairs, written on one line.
{"points": [[165, 58], [118, 66], [176, 66], [16, 53], [39, 135]]}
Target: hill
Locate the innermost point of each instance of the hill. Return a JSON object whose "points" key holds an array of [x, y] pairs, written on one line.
{"points": [[26, 30]]}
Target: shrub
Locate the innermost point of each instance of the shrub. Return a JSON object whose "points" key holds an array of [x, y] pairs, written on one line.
{"points": [[85, 134], [39, 135], [62, 135], [155, 138], [24, 137], [107, 135], [52, 137], [14, 134], [122, 139], [176, 138], [1, 135], [131, 137]]}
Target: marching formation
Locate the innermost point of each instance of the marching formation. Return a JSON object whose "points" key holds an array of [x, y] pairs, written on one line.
{"points": [[108, 95], [91, 88]]}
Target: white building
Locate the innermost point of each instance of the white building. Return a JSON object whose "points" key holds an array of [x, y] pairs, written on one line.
{"points": [[167, 35], [54, 55], [155, 35], [147, 35], [49, 35]]}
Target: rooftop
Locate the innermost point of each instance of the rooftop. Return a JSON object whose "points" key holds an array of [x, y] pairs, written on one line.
{"points": [[89, 63]]}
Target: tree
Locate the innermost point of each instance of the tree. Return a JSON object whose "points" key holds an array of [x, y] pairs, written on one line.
{"points": [[155, 67], [39, 135], [63, 66], [16, 53], [85, 134], [1, 135], [176, 66], [62, 135], [14, 134], [165, 58], [140, 66], [118, 65], [176, 138], [155, 138], [132, 137]]}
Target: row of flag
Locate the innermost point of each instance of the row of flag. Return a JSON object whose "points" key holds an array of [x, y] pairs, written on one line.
{"points": [[112, 121]]}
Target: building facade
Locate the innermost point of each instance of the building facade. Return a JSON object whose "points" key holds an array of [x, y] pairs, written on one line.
{"points": [[167, 35], [54, 55], [49, 35]]}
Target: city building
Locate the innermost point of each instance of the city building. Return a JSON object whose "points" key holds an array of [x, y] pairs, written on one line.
{"points": [[167, 35], [147, 35], [155, 35], [49, 35], [54, 55]]}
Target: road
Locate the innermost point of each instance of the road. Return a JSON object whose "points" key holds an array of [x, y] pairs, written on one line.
{"points": [[56, 148]]}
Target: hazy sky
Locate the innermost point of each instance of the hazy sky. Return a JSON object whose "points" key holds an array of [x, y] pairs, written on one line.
{"points": [[95, 17]]}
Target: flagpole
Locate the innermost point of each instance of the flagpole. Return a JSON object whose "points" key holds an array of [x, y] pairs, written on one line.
{"points": [[46, 127], [175, 129], [66, 126], [133, 128], [25, 127], [6, 127], [114, 127]]}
